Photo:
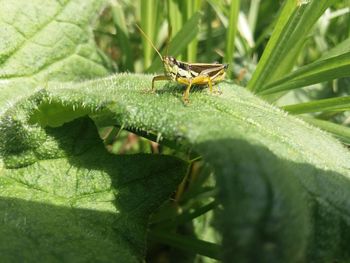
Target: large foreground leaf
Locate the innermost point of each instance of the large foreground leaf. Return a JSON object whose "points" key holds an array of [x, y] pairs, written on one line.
{"points": [[283, 184], [63, 198], [287, 174]]}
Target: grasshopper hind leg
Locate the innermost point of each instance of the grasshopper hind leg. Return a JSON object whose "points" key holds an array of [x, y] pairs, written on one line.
{"points": [[210, 84], [201, 80]]}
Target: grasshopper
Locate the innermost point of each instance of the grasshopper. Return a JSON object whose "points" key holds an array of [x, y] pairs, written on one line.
{"points": [[188, 73]]}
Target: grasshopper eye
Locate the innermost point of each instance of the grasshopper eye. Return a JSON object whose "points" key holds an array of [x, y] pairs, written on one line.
{"points": [[172, 61]]}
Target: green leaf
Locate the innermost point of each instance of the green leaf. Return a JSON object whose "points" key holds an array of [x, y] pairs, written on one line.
{"points": [[46, 42], [265, 209], [51, 43], [180, 41], [295, 22], [300, 160], [283, 184], [325, 105], [63, 197]]}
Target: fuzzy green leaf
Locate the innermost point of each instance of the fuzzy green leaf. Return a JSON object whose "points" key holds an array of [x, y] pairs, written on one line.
{"points": [[265, 192], [284, 157], [283, 184], [48, 41], [339, 131], [63, 198]]}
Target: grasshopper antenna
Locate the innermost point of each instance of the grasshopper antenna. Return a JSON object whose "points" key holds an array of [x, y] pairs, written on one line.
{"points": [[149, 40]]}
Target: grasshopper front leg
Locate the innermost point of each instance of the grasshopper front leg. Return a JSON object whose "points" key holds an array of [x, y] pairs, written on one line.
{"points": [[159, 78]]}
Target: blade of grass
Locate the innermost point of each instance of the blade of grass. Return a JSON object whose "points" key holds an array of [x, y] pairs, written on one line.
{"points": [[313, 11], [209, 39], [334, 64], [148, 24], [231, 32], [316, 72], [340, 49], [187, 33], [193, 6], [244, 41], [265, 34], [220, 10], [123, 37], [324, 105], [201, 247], [339, 131], [175, 19], [253, 14], [348, 3], [186, 217], [284, 26], [294, 23]]}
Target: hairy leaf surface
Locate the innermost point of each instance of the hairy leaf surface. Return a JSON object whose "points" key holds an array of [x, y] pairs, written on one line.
{"points": [[283, 184], [290, 172], [63, 198]]}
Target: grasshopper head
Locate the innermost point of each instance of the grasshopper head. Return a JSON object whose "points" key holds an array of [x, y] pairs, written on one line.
{"points": [[170, 66], [170, 61]]}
